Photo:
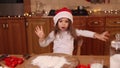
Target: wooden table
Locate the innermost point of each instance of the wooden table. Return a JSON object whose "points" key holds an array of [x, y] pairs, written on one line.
{"points": [[84, 59]]}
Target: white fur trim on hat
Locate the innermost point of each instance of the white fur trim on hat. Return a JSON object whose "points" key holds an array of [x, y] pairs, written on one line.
{"points": [[61, 15]]}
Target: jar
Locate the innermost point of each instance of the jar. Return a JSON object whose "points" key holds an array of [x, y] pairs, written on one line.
{"points": [[115, 45], [115, 52], [39, 8]]}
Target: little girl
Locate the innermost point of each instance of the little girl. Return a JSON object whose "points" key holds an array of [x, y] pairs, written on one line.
{"points": [[64, 34]]}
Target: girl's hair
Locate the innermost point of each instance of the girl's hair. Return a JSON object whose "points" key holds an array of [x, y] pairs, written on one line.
{"points": [[70, 29]]}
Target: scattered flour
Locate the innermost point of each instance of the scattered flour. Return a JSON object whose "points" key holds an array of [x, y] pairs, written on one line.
{"points": [[49, 61]]}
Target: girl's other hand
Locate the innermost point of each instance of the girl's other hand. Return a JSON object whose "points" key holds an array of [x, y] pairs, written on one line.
{"points": [[104, 36]]}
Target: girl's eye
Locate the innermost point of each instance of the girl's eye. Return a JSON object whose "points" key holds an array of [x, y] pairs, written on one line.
{"points": [[60, 21], [66, 21]]}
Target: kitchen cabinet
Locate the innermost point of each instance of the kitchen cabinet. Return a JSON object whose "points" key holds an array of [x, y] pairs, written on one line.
{"points": [[91, 46], [95, 46], [113, 26], [79, 23], [32, 39], [3, 34], [12, 36]]}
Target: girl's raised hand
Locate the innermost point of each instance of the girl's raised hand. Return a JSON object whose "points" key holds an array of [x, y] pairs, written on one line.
{"points": [[39, 32]]}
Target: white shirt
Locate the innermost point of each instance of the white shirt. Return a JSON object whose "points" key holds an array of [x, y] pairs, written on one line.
{"points": [[63, 42]]}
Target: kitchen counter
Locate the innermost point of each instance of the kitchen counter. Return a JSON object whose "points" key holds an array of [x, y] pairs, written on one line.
{"points": [[84, 59]]}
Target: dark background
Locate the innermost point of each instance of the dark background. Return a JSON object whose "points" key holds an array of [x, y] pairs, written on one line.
{"points": [[11, 8], [11, 1]]}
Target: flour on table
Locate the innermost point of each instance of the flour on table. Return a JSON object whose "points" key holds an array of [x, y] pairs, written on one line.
{"points": [[49, 61]]}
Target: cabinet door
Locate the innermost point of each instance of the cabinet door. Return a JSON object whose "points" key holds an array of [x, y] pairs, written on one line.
{"points": [[79, 23], [33, 43], [94, 46], [16, 36], [3, 36], [12, 36]]}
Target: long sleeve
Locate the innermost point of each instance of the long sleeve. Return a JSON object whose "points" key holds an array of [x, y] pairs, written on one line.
{"points": [[85, 33], [47, 40]]}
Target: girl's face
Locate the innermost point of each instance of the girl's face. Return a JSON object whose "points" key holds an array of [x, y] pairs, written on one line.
{"points": [[63, 24]]}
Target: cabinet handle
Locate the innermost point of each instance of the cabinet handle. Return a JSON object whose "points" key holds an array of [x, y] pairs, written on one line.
{"points": [[93, 23], [96, 22], [117, 22], [26, 24], [6, 25], [3, 25]]}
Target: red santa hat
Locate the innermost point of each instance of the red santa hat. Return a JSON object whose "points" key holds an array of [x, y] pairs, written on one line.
{"points": [[63, 12]]}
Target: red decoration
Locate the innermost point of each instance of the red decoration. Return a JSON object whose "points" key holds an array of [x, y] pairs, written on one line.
{"points": [[88, 66], [81, 66], [63, 9], [13, 61]]}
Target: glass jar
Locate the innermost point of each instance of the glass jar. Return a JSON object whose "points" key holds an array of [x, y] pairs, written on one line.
{"points": [[115, 45], [39, 8], [115, 52]]}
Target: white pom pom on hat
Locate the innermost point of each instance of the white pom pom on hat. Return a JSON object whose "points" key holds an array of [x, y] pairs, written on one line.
{"points": [[61, 13]]}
